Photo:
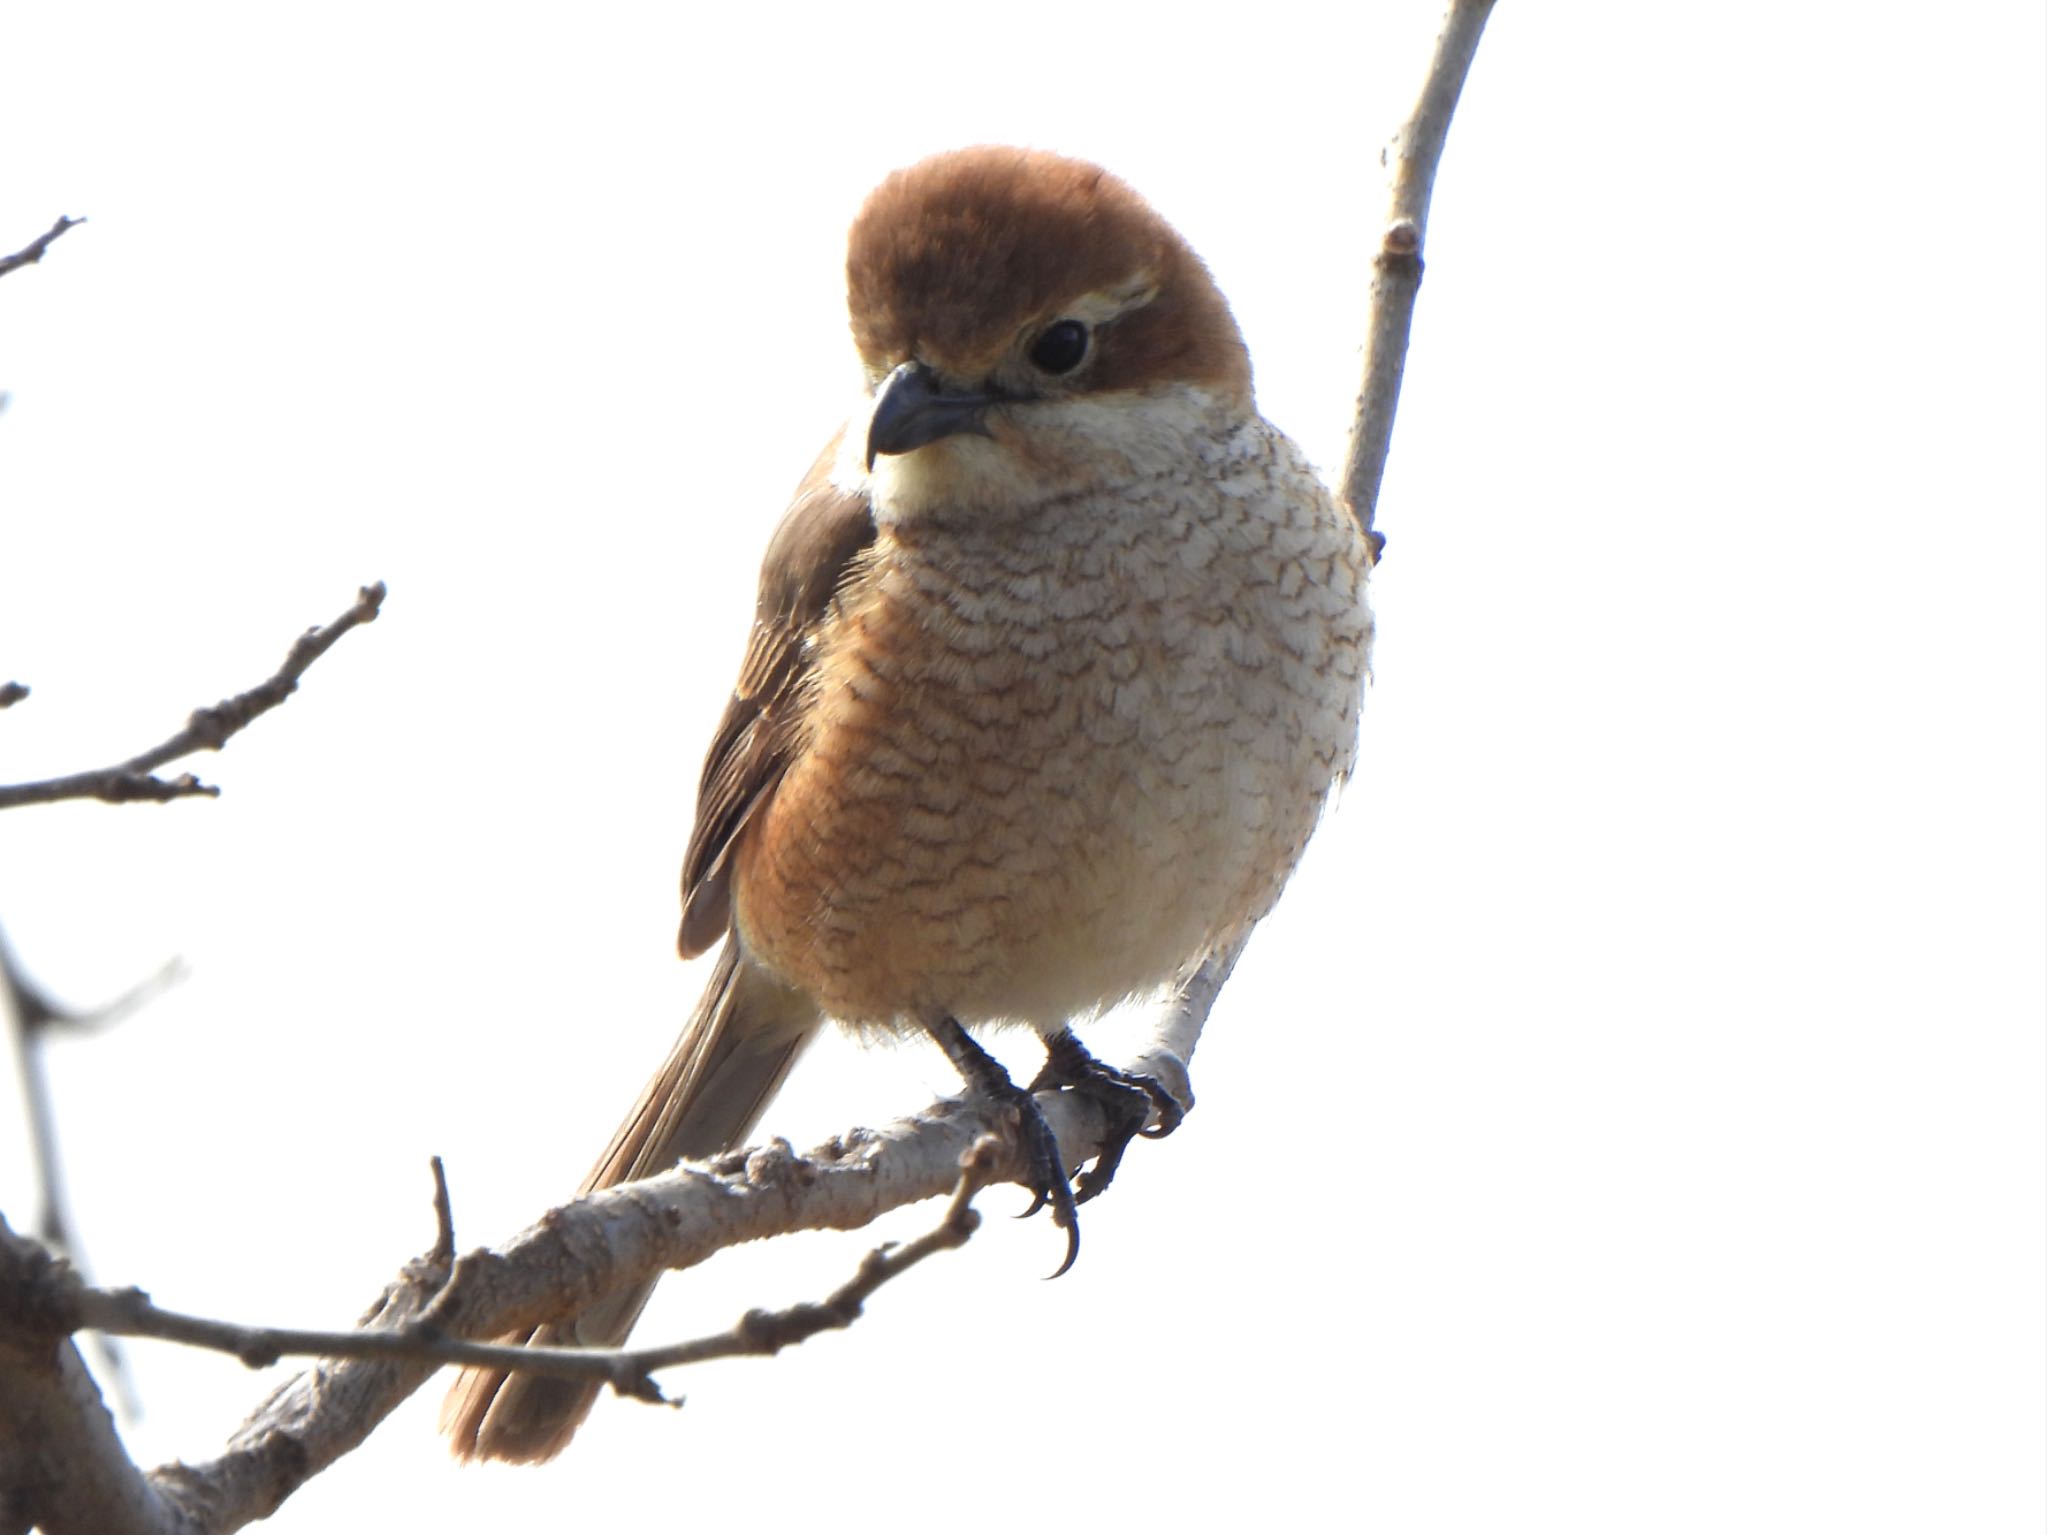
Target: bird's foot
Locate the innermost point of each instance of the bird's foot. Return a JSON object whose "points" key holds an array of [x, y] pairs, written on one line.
{"points": [[1047, 1177], [1131, 1099]]}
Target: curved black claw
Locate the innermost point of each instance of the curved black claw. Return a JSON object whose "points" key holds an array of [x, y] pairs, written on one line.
{"points": [[1130, 1097], [1048, 1183]]}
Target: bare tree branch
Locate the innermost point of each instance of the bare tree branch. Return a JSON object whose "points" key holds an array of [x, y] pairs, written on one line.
{"points": [[574, 1254], [630, 1372], [207, 729], [1413, 154], [32, 252]]}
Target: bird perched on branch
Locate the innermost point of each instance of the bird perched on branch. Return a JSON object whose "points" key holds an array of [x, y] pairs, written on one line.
{"points": [[1058, 653]]}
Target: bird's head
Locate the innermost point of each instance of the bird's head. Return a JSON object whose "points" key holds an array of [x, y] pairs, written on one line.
{"points": [[1027, 322]]}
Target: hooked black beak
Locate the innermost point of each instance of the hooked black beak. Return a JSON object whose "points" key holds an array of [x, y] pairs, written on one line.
{"points": [[912, 409]]}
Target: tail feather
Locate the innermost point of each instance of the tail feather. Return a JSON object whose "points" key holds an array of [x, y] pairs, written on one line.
{"points": [[739, 1045]]}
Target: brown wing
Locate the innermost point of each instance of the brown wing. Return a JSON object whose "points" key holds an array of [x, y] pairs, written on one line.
{"points": [[821, 536]]}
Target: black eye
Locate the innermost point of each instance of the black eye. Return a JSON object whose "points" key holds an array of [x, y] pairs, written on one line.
{"points": [[1060, 347]]}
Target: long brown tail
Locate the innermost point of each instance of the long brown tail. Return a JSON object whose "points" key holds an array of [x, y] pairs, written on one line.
{"points": [[746, 1033]]}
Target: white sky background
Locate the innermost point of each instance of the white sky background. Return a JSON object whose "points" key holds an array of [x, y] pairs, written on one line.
{"points": [[1633, 1118]]}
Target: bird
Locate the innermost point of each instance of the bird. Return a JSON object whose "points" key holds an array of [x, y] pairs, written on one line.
{"points": [[1058, 654]]}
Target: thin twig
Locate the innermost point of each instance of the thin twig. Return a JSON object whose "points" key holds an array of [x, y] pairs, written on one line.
{"points": [[1413, 154], [38, 1010], [207, 730], [30, 1012], [32, 1017], [32, 252], [443, 1251]]}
